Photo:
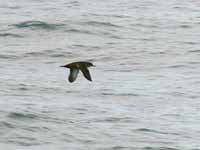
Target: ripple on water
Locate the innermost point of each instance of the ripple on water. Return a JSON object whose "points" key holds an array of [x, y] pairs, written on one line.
{"points": [[8, 57], [24, 141], [185, 26], [114, 120], [98, 24], [159, 148], [44, 54], [154, 131], [80, 31], [50, 53], [38, 25], [21, 116], [6, 124], [10, 35], [120, 94], [194, 51], [177, 66]]}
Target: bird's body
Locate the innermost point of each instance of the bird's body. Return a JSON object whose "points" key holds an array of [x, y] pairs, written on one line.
{"points": [[75, 67]]}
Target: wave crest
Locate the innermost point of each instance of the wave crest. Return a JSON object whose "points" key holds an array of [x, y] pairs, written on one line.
{"points": [[38, 24], [10, 35]]}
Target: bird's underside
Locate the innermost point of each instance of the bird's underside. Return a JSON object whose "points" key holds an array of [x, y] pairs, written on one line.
{"points": [[74, 73]]}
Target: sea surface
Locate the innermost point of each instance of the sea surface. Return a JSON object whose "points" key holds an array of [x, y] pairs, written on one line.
{"points": [[145, 93]]}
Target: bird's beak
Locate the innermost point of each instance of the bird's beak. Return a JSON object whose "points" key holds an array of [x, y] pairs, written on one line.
{"points": [[62, 66]]}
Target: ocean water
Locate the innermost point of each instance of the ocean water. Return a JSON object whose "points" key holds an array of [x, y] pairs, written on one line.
{"points": [[145, 93]]}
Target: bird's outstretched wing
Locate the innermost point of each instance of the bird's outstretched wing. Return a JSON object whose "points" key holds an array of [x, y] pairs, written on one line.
{"points": [[86, 73], [73, 75]]}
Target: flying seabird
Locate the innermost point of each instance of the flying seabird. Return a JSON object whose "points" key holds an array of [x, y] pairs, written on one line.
{"points": [[75, 67]]}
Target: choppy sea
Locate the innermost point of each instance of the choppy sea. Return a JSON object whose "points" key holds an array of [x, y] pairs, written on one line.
{"points": [[145, 93]]}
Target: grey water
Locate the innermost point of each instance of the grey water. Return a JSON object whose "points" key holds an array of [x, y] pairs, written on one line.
{"points": [[145, 93]]}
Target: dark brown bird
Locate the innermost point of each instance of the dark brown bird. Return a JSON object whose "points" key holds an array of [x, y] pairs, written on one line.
{"points": [[75, 67]]}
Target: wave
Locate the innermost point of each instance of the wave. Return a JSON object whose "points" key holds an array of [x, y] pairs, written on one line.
{"points": [[159, 148], [154, 131], [144, 25], [149, 130], [97, 23], [6, 124], [107, 15], [185, 26], [191, 43], [114, 119], [119, 94], [10, 35], [38, 25], [176, 66], [47, 53], [194, 51], [17, 115], [7, 56], [30, 55], [80, 31]]}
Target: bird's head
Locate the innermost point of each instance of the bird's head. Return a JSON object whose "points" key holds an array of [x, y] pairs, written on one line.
{"points": [[88, 64]]}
